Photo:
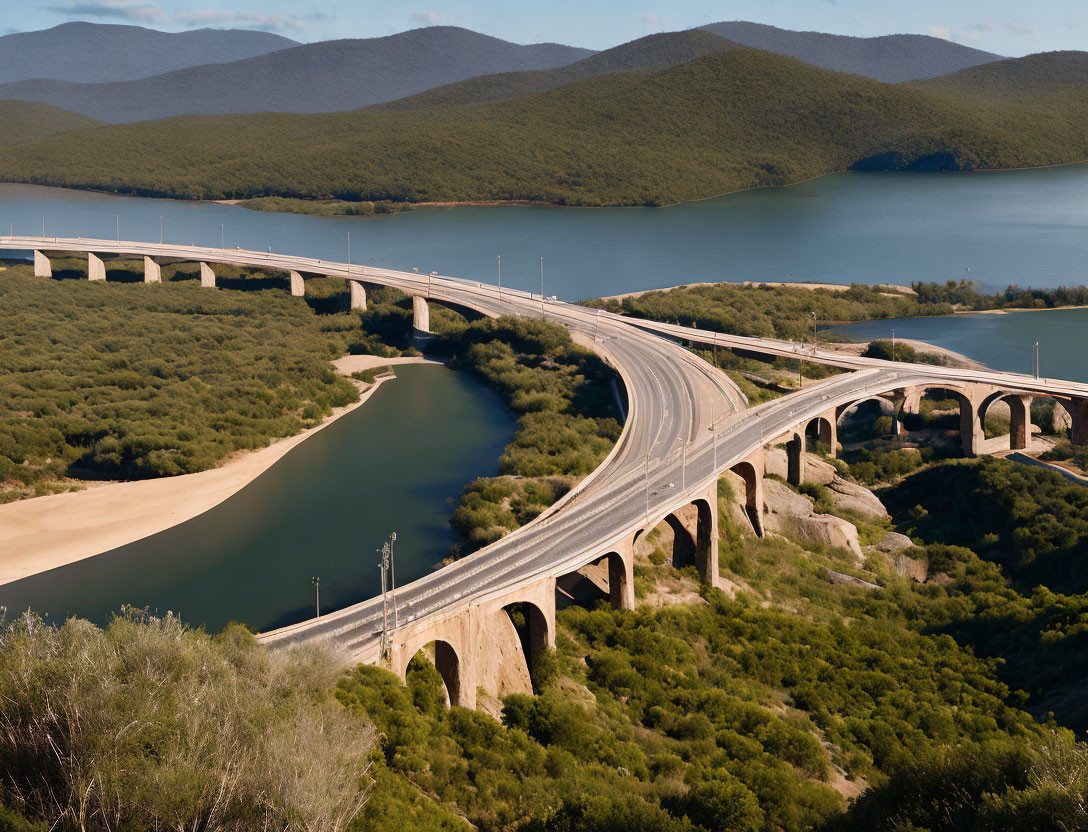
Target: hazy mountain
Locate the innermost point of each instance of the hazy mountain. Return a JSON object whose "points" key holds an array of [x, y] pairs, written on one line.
{"points": [[1012, 75], [651, 52], [313, 78], [97, 52], [891, 58], [25, 121], [735, 119]]}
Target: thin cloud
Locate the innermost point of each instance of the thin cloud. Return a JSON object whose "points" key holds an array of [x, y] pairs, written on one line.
{"points": [[264, 22], [942, 32], [134, 10], [430, 18], [652, 21], [973, 32]]}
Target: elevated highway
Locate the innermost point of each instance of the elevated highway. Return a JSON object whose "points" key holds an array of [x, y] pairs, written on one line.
{"points": [[687, 424]]}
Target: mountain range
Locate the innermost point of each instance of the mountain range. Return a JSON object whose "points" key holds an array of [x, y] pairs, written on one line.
{"points": [[323, 77], [100, 52], [726, 120], [891, 58], [127, 73]]}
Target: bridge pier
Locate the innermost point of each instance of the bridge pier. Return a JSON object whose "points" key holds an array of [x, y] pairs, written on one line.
{"points": [[621, 577], [1019, 421], [298, 285], [357, 295], [1078, 414], [795, 458], [152, 271], [207, 276], [699, 520], [96, 269], [421, 321], [42, 266], [971, 433], [751, 469]]}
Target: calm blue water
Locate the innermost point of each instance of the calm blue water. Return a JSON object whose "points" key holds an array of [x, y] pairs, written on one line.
{"points": [[1023, 227], [1001, 341]]}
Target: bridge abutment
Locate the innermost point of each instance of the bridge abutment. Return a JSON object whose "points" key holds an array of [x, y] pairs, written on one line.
{"points": [[207, 276], [1078, 415], [795, 459], [42, 266], [96, 269], [421, 321]]}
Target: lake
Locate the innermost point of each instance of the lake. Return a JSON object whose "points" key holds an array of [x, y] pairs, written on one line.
{"points": [[1023, 227]]}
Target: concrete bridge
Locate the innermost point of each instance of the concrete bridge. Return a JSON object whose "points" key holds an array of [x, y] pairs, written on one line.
{"points": [[687, 425]]}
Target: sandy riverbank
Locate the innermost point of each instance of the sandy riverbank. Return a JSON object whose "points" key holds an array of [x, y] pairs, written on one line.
{"points": [[962, 360], [46, 532]]}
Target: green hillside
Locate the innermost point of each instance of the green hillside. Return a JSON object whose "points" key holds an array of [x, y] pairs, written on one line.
{"points": [[27, 121], [651, 52], [726, 121], [1046, 70]]}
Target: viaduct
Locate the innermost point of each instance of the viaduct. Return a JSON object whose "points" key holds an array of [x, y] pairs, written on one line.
{"points": [[687, 424]]}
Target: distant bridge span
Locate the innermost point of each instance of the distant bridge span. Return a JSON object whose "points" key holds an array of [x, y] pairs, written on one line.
{"points": [[687, 424]]}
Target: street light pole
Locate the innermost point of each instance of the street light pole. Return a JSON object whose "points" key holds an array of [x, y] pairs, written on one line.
{"points": [[349, 251], [221, 244], [317, 595], [393, 579], [160, 229], [499, 258], [117, 219], [893, 345], [542, 278], [815, 338], [1035, 359]]}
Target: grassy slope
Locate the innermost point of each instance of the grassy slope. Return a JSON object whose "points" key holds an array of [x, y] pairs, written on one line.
{"points": [[731, 120], [27, 121]]}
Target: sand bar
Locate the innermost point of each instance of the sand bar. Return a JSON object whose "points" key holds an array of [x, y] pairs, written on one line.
{"points": [[46, 532]]}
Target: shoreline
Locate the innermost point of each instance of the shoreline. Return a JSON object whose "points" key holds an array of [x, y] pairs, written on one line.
{"points": [[43, 533]]}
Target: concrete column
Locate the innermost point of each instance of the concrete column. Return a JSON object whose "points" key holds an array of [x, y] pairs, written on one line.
{"points": [[971, 433], [829, 431], [358, 295], [706, 539], [421, 315], [96, 269], [1079, 415], [621, 578], [207, 276], [795, 456], [152, 272], [751, 470], [298, 285], [42, 266], [1019, 422], [460, 681]]}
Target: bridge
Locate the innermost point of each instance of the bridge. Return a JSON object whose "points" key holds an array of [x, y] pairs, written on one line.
{"points": [[687, 425]]}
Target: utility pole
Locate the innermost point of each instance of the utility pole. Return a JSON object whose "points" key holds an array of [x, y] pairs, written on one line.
{"points": [[1035, 359], [382, 565], [499, 256], [317, 594], [393, 579]]}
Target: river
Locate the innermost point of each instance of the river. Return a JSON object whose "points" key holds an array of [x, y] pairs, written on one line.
{"points": [[399, 461]]}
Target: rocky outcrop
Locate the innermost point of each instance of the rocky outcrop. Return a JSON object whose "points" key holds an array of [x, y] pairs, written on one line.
{"points": [[791, 514], [894, 547], [816, 470], [857, 498]]}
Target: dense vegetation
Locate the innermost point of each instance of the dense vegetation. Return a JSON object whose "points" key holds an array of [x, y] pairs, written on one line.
{"points": [[567, 424], [964, 294], [770, 311], [150, 725], [735, 119], [108, 381], [27, 121], [324, 207]]}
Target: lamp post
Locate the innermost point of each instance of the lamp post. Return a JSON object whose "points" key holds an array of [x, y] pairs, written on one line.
{"points": [[1035, 359], [221, 244], [893, 345], [349, 251], [393, 579], [160, 229], [316, 581], [499, 259], [815, 338]]}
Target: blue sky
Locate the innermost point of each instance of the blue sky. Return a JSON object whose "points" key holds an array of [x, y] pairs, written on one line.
{"points": [[1009, 27]]}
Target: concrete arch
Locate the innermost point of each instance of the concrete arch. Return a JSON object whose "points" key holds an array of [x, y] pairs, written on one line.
{"points": [[971, 434], [1019, 416], [886, 407], [537, 631], [824, 430], [448, 664]]}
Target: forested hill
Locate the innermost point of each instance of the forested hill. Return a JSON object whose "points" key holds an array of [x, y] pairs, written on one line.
{"points": [[320, 77], [651, 52], [889, 58], [735, 119], [1043, 71], [24, 121]]}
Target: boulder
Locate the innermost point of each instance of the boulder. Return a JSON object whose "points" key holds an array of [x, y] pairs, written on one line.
{"points": [[791, 514], [853, 497], [894, 542], [816, 470]]}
